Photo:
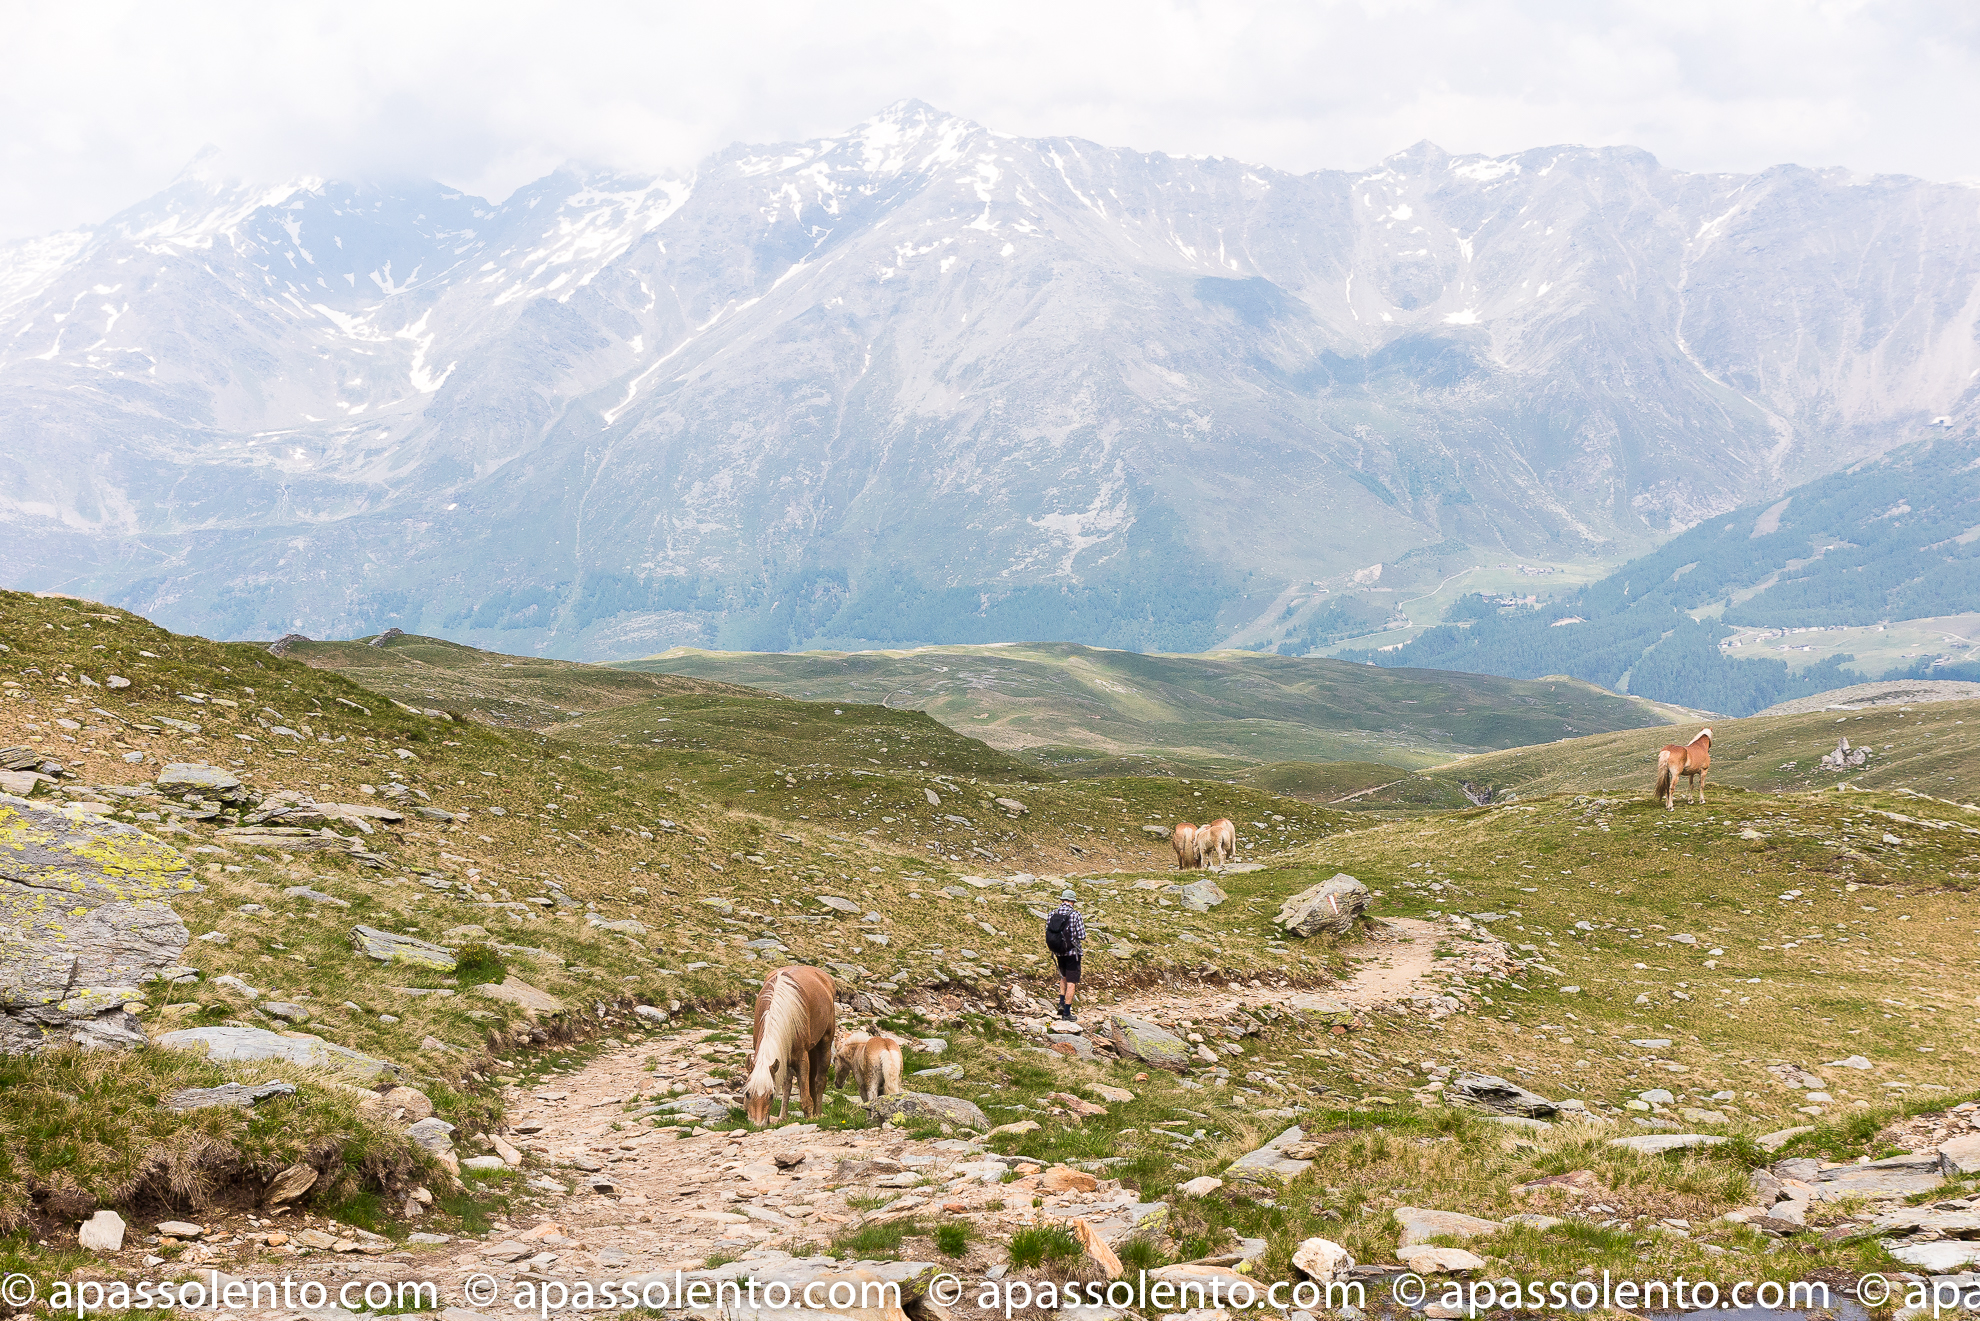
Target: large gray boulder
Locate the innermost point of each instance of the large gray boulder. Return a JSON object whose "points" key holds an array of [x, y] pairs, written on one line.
{"points": [[1329, 908], [85, 920], [1144, 1041], [1480, 1091], [253, 1045], [928, 1105], [1200, 896]]}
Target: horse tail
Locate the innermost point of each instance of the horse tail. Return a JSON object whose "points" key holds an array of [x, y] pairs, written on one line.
{"points": [[1665, 776]]}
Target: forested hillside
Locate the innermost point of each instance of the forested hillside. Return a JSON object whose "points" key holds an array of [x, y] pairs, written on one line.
{"points": [[1893, 539]]}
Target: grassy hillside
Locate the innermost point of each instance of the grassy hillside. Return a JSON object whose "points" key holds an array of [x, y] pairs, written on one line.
{"points": [[609, 866], [576, 853], [1932, 748], [1080, 709]]}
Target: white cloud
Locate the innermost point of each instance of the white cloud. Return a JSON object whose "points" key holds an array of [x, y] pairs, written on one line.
{"points": [[103, 103]]}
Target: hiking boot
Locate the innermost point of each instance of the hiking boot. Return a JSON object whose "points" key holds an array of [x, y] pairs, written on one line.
{"points": [[1065, 1011]]}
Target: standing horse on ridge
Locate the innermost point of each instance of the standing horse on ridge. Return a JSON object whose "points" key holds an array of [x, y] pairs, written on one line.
{"points": [[1678, 761], [792, 1042]]}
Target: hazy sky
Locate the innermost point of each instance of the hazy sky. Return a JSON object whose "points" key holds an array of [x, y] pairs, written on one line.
{"points": [[102, 103]]}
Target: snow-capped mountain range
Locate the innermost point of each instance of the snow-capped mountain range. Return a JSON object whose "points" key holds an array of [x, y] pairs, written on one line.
{"points": [[927, 382]]}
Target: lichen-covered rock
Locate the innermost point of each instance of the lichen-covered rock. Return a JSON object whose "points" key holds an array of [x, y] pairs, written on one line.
{"points": [[1331, 907], [1146, 1042], [949, 1109], [85, 919]]}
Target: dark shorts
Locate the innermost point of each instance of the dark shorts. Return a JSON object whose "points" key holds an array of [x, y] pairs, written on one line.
{"points": [[1069, 968]]}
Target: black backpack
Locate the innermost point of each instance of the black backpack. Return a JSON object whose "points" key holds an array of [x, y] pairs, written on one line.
{"points": [[1058, 932]]}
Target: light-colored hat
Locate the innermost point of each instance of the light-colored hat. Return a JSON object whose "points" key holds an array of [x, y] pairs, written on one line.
{"points": [[1068, 894]]}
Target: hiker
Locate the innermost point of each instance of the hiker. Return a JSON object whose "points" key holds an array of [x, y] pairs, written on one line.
{"points": [[1064, 935]]}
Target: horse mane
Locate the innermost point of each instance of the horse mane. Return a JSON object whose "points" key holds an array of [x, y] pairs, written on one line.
{"points": [[1705, 734], [776, 1028]]}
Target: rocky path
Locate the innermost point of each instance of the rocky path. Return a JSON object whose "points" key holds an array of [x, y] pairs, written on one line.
{"points": [[619, 1198], [607, 1194], [1400, 963], [629, 1199]]}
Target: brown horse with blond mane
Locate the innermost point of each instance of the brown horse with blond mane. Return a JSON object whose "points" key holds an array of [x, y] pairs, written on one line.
{"points": [[792, 1042], [1679, 761]]}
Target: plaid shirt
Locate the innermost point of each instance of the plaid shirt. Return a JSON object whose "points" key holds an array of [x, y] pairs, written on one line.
{"points": [[1075, 928]]}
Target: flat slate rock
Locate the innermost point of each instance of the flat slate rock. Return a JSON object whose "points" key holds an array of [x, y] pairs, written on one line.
{"points": [[1269, 1163], [253, 1045], [1832, 1185], [705, 1108], [1652, 1143], [1939, 1258], [514, 990], [1420, 1226], [180, 776], [315, 896], [1427, 1260], [1961, 1155], [390, 947], [240, 1095], [1480, 1091]]}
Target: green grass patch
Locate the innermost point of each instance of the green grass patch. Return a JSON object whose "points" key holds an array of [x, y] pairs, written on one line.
{"points": [[879, 1242], [1039, 1244]]}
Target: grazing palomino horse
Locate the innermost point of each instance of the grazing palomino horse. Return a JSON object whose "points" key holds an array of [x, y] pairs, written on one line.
{"points": [[873, 1058], [1679, 761], [792, 1042], [1216, 843], [1183, 840]]}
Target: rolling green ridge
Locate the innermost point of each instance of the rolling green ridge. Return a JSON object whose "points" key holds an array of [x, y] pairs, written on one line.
{"points": [[1082, 710]]}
